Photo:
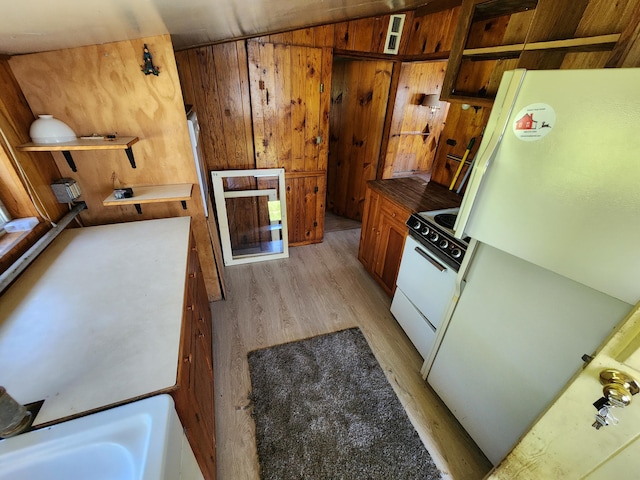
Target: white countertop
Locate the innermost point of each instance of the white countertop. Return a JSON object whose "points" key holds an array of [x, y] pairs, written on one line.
{"points": [[96, 319]]}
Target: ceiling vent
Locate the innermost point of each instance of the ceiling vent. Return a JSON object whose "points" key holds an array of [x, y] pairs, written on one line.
{"points": [[396, 22]]}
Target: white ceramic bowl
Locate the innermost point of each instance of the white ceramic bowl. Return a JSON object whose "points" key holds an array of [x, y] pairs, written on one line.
{"points": [[47, 129]]}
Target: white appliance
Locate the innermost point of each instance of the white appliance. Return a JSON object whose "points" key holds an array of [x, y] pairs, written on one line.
{"points": [[427, 276], [553, 208], [201, 167]]}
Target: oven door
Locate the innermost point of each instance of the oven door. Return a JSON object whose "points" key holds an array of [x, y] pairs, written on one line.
{"points": [[426, 281]]}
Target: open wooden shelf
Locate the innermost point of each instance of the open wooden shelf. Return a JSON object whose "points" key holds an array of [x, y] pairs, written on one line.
{"points": [[153, 194], [118, 143], [583, 44], [494, 36]]}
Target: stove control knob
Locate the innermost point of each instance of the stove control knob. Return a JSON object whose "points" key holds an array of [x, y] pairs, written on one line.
{"points": [[456, 252], [425, 231], [443, 243], [416, 226], [434, 236]]}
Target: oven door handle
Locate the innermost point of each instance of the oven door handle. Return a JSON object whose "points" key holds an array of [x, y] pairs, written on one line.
{"points": [[426, 256]]}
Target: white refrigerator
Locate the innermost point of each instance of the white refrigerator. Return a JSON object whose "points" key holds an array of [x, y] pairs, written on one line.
{"points": [[201, 167], [553, 210]]}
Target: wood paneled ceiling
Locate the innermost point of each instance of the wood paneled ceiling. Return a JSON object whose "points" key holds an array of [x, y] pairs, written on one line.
{"points": [[28, 26]]}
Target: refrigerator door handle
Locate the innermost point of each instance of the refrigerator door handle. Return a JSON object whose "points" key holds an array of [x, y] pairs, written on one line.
{"points": [[496, 127]]}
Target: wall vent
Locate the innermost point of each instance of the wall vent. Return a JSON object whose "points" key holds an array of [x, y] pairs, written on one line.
{"points": [[396, 22]]}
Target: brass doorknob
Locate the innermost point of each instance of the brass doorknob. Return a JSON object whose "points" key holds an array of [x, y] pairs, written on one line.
{"points": [[618, 387]]}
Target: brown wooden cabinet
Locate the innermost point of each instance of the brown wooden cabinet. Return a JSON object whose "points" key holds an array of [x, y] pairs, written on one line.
{"points": [[388, 205], [382, 238], [306, 194], [194, 395]]}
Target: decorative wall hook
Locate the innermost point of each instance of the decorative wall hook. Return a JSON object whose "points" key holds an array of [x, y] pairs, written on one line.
{"points": [[148, 68]]}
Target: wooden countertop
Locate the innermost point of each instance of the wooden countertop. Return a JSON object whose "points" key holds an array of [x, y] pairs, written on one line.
{"points": [[416, 195], [96, 319]]}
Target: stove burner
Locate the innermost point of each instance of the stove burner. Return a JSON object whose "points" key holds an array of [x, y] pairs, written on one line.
{"points": [[446, 220]]}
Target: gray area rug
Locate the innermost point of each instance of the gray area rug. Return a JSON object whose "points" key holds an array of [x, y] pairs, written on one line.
{"points": [[325, 411]]}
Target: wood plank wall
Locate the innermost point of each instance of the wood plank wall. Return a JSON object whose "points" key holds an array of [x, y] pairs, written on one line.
{"points": [[290, 113], [432, 33], [15, 120], [101, 89], [40, 168], [216, 81], [461, 126], [415, 130]]}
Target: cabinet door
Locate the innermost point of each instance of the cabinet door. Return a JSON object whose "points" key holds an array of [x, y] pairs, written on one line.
{"points": [[305, 207], [389, 252], [290, 100], [382, 239]]}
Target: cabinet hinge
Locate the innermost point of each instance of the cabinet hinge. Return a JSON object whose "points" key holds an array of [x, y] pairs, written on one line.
{"points": [[322, 88], [318, 139]]}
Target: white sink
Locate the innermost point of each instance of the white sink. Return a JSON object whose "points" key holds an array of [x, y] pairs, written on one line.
{"points": [[140, 440]]}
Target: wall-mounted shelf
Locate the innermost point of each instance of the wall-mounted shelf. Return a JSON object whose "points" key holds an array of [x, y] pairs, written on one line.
{"points": [[493, 36], [119, 143], [585, 44], [153, 194]]}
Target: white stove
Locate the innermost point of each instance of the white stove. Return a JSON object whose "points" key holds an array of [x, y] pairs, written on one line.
{"points": [[427, 275]]}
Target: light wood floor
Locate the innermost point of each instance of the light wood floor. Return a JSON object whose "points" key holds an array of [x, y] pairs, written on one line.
{"points": [[333, 223], [320, 289]]}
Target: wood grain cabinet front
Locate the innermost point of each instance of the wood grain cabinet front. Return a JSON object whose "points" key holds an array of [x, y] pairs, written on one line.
{"points": [[194, 395], [382, 239]]}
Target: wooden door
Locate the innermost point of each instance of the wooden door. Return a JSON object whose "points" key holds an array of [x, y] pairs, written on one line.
{"points": [[564, 444], [415, 129], [359, 96], [290, 101]]}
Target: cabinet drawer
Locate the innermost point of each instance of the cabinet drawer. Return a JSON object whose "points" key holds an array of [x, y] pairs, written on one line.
{"points": [[417, 328], [395, 212]]}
